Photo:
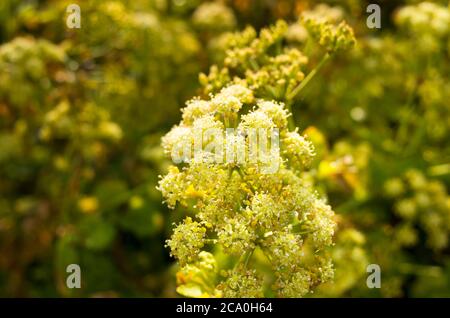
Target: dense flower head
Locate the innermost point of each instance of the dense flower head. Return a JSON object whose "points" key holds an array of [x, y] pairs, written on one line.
{"points": [[425, 17], [242, 93], [237, 236], [275, 111], [298, 149], [187, 240], [214, 16], [420, 203], [243, 206], [324, 12], [333, 38], [255, 198], [256, 119], [195, 108], [296, 285], [241, 283], [226, 103], [178, 135]]}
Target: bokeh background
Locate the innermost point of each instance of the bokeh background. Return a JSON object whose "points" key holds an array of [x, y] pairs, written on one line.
{"points": [[82, 112]]}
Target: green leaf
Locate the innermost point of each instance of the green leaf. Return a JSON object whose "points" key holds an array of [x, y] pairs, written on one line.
{"points": [[98, 234]]}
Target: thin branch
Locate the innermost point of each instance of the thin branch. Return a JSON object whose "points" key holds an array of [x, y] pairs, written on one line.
{"points": [[308, 78]]}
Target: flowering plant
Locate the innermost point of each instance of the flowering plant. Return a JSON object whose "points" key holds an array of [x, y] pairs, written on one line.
{"points": [[252, 219]]}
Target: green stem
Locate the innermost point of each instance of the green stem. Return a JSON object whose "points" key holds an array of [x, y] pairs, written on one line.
{"points": [[226, 121], [305, 232], [254, 64], [239, 261], [402, 133], [247, 258], [244, 258], [241, 173], [291, 122], [308, 78], [279, 47]]}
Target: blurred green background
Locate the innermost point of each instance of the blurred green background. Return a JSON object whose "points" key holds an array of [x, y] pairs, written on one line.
{"points": [[82, 112]]}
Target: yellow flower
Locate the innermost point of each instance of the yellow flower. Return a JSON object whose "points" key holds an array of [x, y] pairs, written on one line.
{"points": [[192, 193], [88, 205]]}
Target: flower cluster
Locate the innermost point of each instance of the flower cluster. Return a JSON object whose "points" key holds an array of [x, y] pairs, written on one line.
{"points": [[192, 234], [422, 205], [425, 17], [214, 16], [241, 282], [253, 217], [323, 12], [272, 69], [333, 38], [39, 61]]}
